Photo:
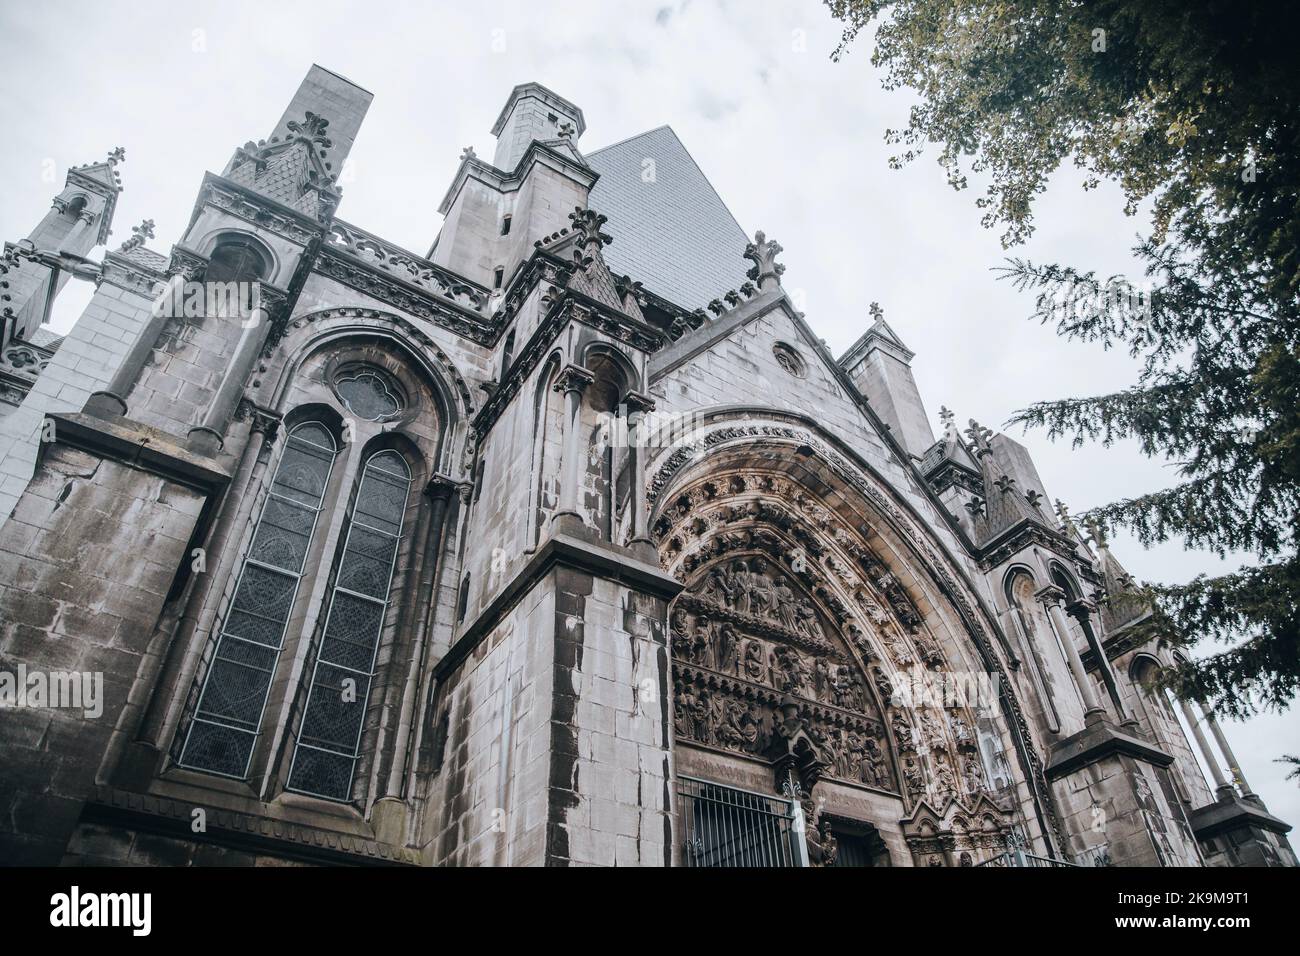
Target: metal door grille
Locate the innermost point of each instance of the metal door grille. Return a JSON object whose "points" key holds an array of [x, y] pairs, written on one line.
{"points": [[724, 826]]}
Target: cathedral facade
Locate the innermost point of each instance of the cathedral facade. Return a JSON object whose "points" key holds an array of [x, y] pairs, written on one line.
{"points": [[565, 543]]}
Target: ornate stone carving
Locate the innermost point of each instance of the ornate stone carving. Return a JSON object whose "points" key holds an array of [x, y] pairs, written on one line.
{"points": [[139, 234], [792, 430], [766, 271], [407, 267], [587, 225], [756, 673]]}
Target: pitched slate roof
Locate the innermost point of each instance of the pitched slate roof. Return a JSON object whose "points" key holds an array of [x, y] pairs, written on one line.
{"points": [[672, 232]]}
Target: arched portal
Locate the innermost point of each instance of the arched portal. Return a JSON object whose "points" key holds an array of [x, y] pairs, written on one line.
{"points": [[814, 653]]}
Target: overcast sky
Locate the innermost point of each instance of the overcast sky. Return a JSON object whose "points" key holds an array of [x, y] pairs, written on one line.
{"points": [[792, 142]]}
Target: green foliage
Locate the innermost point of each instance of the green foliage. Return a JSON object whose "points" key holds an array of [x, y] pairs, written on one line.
{"points": [[1295, 765], [1192, 107]]}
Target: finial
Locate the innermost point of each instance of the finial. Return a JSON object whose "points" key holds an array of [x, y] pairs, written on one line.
{"points": [[1067, 523], [947, 417], [766, 270], [139, 234], [118, 155], [1098, 533], [876, 311], [979, 436], [467, 153], [313, 127], [586, 225]]}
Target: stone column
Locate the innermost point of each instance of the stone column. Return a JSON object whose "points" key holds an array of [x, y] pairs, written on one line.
{"points": [[1221, 786], [1053, 599], [1224, 746], [208, 437], [110, 402], [72, 243], [439, 490], [1084, 612], [638, 405], [572, 381]]}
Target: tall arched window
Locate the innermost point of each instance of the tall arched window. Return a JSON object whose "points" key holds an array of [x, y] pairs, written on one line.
{"points": [[327, 748], [228, 717]]}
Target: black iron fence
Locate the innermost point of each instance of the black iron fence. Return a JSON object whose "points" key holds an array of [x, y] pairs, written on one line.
{"points": [[724, 826]]}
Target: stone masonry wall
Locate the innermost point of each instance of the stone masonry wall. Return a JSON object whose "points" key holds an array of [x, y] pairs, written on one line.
{"points": [[85, 564], [557, 746], [85, 362]]}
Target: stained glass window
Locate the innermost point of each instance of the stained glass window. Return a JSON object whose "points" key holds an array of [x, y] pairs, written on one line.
{"points": [[327, 749], [228, 718], [368, 394]]}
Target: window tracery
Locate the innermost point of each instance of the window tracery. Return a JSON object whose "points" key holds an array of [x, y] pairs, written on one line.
{"points": [[368, 393], [228, 716], [328, 741]]}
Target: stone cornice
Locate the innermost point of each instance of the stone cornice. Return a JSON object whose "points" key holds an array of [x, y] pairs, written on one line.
{"points": [[371, 280], [140, 447], [1024, 534], [245, 832], [1097, 742], [129, 274], [392, 260], [257, 210], [949, 473], [1230, 814]]}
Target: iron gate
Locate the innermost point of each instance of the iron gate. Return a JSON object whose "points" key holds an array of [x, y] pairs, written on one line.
{"points": [[724, 826]]}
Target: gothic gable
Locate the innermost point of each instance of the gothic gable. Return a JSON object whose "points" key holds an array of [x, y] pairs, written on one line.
{"points": [[766, 357]]}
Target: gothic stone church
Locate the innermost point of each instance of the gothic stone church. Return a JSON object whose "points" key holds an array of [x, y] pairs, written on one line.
{"points": [[566, 542]]}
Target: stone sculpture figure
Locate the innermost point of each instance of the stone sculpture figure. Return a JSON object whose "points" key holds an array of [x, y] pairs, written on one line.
{"points": [[784, 600], [807, 620], [728, 648], [876, 768], [702, 643], [760, 589], [755, 661]]}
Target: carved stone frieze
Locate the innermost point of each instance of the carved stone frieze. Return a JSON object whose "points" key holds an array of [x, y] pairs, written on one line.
{"points": [[398, 293], [256, 210], [405, 266]]}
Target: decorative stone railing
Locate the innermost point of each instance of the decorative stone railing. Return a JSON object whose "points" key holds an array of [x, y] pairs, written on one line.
{"points": [[407, 267]]}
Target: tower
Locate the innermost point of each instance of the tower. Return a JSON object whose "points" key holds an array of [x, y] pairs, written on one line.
{"points": [[494, 213], [533, 112], [150, 452], [37, 268]]}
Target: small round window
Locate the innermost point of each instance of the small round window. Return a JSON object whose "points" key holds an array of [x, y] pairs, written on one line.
{"points": [[790, 360], [369, 393]]}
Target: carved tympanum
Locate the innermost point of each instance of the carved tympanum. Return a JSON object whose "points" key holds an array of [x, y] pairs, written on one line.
{"points": [[752, 655]]}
